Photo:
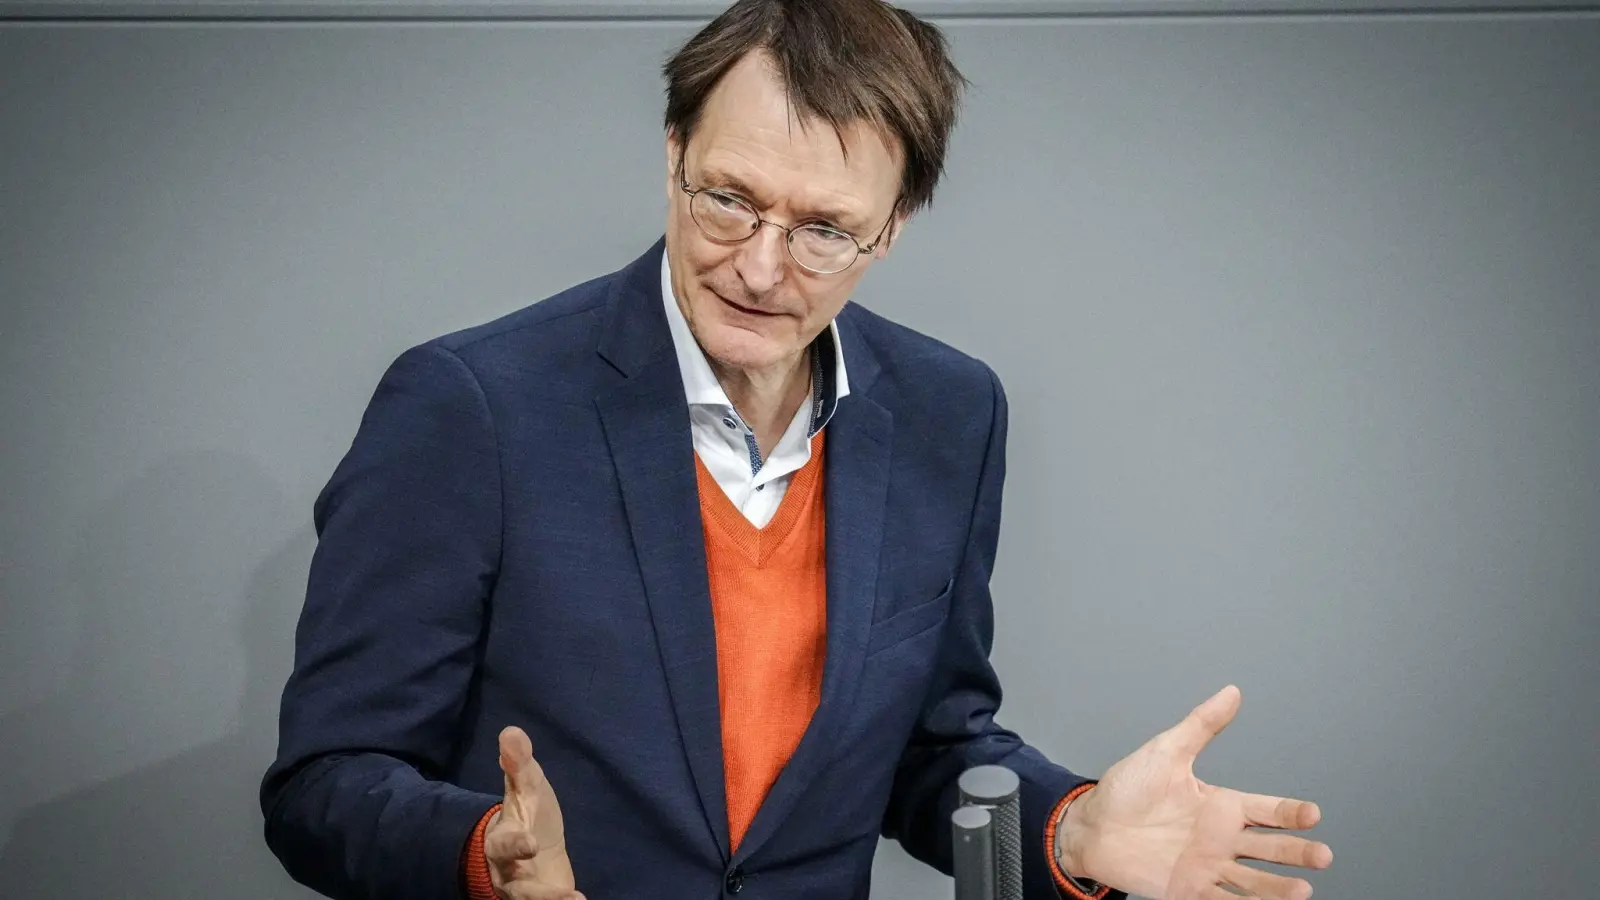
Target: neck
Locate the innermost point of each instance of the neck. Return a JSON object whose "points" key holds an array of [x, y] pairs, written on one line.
{"points": [[767, 400]]}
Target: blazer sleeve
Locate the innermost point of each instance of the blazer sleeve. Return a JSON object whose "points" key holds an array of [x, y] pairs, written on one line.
{"points": [[956, 728], [408, 546]]}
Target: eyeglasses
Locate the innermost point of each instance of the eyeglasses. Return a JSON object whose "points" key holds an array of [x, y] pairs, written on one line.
{"points": [[729, 218]]}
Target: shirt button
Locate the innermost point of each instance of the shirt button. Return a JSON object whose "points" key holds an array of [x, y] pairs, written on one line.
{"points": [[761, 487], [735, 882], [728, 421]]}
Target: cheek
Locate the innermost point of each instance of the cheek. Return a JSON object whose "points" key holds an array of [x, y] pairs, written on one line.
{"points": [[699, 255], [710, 261], [825, 298]]}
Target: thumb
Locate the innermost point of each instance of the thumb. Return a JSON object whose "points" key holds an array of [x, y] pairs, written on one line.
{"points": [[1204, 722], [522, 775]]}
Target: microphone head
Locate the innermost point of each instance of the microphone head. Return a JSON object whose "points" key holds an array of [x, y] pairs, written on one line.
{"points": [[988, 785], [968, 821]]}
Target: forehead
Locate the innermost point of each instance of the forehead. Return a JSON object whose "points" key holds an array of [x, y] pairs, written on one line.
{"points": [[750, 134]]}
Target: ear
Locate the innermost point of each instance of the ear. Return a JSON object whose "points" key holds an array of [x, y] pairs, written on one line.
{"points": [[673, 150]]}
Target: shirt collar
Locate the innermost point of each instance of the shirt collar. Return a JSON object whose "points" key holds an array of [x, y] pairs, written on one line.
{"points": [[829, 382]]}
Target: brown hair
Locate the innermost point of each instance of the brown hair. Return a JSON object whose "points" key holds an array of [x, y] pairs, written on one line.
{"points": [[842, 61]]}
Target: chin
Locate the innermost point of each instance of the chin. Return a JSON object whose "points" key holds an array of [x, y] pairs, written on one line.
{"points": [[742, 348]]}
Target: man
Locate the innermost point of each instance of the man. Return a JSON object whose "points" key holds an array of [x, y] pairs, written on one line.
{"points": [[719, 544]]}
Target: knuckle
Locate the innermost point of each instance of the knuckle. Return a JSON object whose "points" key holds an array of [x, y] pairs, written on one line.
{"points": [[509, 845]]}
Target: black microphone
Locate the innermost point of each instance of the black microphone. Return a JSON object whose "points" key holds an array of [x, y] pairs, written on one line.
{"points": [[996, 790], [972, 842]]}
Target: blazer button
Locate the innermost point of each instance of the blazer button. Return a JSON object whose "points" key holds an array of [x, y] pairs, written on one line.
{"points": [[735, 882]]}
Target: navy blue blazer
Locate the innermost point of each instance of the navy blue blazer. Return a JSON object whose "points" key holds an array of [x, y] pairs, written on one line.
{"points": [[514, 538]]}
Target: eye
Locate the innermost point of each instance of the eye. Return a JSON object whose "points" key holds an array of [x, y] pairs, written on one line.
{"points": [[824, 237], [728, 202]]}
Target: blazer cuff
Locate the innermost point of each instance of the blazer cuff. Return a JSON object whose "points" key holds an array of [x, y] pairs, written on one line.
{"points": [[1078, 889], [475, 864]]}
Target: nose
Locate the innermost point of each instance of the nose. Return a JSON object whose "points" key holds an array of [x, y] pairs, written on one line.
{"points": [[760, 259]]}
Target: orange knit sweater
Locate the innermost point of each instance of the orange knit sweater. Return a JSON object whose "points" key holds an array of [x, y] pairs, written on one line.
{"points": [[768, 599]]}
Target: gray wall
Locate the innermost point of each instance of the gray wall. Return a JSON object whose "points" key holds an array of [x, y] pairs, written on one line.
{"points": [[1299, 316]]}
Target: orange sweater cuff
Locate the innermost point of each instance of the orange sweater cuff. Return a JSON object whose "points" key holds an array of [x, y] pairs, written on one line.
{"points": [[474, 864], [1062, 881]]}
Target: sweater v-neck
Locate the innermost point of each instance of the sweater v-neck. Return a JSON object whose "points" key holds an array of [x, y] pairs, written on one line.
{"points": [[757, 544]]}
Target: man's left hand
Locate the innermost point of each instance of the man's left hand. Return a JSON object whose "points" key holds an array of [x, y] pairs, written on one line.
{"points": [[1150, 827]]}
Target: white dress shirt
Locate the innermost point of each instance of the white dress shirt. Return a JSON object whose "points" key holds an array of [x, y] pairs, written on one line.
{"points": [[725, 443]]}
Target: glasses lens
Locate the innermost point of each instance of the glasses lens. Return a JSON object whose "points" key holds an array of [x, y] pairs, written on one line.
{"points": [[823, 250], [723, 216]]}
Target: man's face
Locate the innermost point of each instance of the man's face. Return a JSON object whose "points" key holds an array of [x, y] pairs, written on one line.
{"points": [[749, 304]]}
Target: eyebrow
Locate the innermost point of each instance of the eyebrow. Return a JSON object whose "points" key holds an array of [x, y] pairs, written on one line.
{"points": [[838, 217]]}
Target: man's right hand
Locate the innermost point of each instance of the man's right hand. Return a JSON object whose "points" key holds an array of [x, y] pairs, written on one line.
{"points": [[525, 843]]}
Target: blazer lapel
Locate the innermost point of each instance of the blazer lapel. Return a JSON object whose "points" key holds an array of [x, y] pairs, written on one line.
{"points": [[856, 488], [646, 422]]}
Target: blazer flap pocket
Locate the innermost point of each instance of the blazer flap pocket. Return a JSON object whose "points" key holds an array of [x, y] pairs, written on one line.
{"points": [[911, 622]]}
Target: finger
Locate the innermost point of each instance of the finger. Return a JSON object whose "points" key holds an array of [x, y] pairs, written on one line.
{"points": [[506, 846], [529, 890], [1285, 849], [1266, 885], [1213, 892], [1281, 812], [1204, 722], [522, 775]]}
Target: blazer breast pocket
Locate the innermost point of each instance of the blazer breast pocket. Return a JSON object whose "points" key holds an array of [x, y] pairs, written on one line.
{"points": [[910, 623]]}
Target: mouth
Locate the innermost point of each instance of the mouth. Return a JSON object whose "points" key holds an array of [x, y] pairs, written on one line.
{"points": [[746, 310]]}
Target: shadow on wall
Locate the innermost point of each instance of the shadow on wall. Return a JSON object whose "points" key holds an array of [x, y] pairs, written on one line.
{"points": [[165, 641]]}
